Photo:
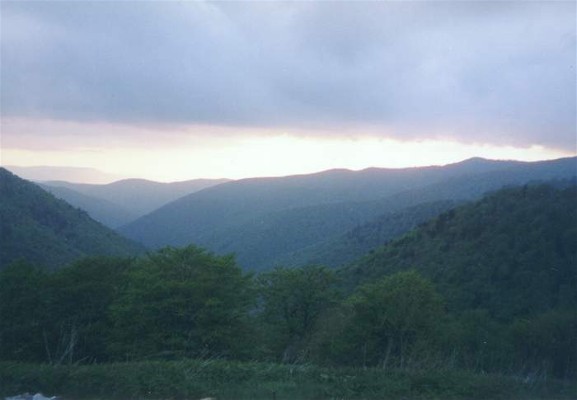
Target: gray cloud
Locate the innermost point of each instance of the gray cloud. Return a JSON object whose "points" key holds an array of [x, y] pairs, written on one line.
{"points": [[501, 72]]}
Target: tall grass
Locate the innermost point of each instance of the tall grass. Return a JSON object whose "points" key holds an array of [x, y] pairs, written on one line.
{"points": [[195, 379]]}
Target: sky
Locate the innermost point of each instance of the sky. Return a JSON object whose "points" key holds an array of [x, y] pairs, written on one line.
{"points": [[174, 90]]}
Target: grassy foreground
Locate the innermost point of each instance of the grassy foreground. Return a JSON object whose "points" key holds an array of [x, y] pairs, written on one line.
{"points": [[194, 379]]}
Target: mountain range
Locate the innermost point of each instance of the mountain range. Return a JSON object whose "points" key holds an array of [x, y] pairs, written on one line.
{"points": [[497, 263], [272, 221], [68, 174], [328, 218], [118, 203]]}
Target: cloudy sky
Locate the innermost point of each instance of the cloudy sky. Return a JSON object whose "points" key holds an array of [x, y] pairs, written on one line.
{"points": [[172, 90]]}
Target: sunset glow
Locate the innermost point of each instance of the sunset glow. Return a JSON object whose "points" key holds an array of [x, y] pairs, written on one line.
{"points": [[193, 89], [282, 154]]}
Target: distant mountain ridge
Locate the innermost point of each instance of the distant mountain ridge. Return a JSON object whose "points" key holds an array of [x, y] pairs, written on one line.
{"points": [[110, 214], [117, 203], [46, 231], [264, 220], [70, 174]]}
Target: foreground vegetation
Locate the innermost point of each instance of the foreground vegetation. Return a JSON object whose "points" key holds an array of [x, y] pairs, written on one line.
{"points": [[194, 379], [478, 303]]}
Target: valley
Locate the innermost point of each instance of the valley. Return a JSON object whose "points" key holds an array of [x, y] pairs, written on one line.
{"points": [[288, 200], [470, 266]]}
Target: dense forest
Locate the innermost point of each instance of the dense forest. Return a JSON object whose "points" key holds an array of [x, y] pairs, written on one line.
{"points": [[48, 232], [353, 244], [506, 269], [489, 287]]}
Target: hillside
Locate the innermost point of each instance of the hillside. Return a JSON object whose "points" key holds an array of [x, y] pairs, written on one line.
{"points": [[295, 237], [37, 227], [101, 210], [229, 204], [353, 244], [267, 221], [512, 253], [486, 287], [127, 199]]}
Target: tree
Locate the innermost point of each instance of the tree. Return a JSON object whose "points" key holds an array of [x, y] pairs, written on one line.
{"points": [[546, 343], [79, 296], [391, 315], [22, 312], [292, 300], [182, 302]]}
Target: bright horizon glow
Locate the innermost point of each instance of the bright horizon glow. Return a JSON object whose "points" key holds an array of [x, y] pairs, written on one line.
{"points": [[215, 89], [257, 156]]}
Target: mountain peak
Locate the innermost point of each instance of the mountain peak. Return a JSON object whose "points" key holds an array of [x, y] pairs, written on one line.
{"points": [[475, 160], [479, 164]]}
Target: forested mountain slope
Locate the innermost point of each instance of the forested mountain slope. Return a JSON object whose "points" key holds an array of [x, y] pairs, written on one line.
{"points": [[341, 250], [39, 228], [512, 253], [238, 201], [488, 286], [268, 221]]}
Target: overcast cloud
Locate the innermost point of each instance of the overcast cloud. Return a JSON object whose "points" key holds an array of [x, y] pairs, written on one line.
{"points": [[498, 72]]}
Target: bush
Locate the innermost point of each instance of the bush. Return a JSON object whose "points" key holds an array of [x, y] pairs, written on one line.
{"points": [[192, 379]]}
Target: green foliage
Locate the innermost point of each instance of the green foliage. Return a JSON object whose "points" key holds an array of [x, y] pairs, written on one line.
{"points": [[361, 239], [47, 232], [22, 312], [545, 342], [59, 317], [194, 379], [512, 253], [502, 264], [182, 302], [488, 287], [293, 300], [477, 342], [391, 316], [79, 296]]}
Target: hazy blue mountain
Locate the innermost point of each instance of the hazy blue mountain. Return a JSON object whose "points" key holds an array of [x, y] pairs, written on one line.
{"points": [[242, 200], [37, 227], [103, 211], [69, 174], [137, 196], [291, 236], [268, 220], [474, 185]]}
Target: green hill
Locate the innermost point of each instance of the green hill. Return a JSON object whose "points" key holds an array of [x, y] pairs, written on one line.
{"points": [[270, 221], [38, 228], [345, 248], [513, 253]]}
